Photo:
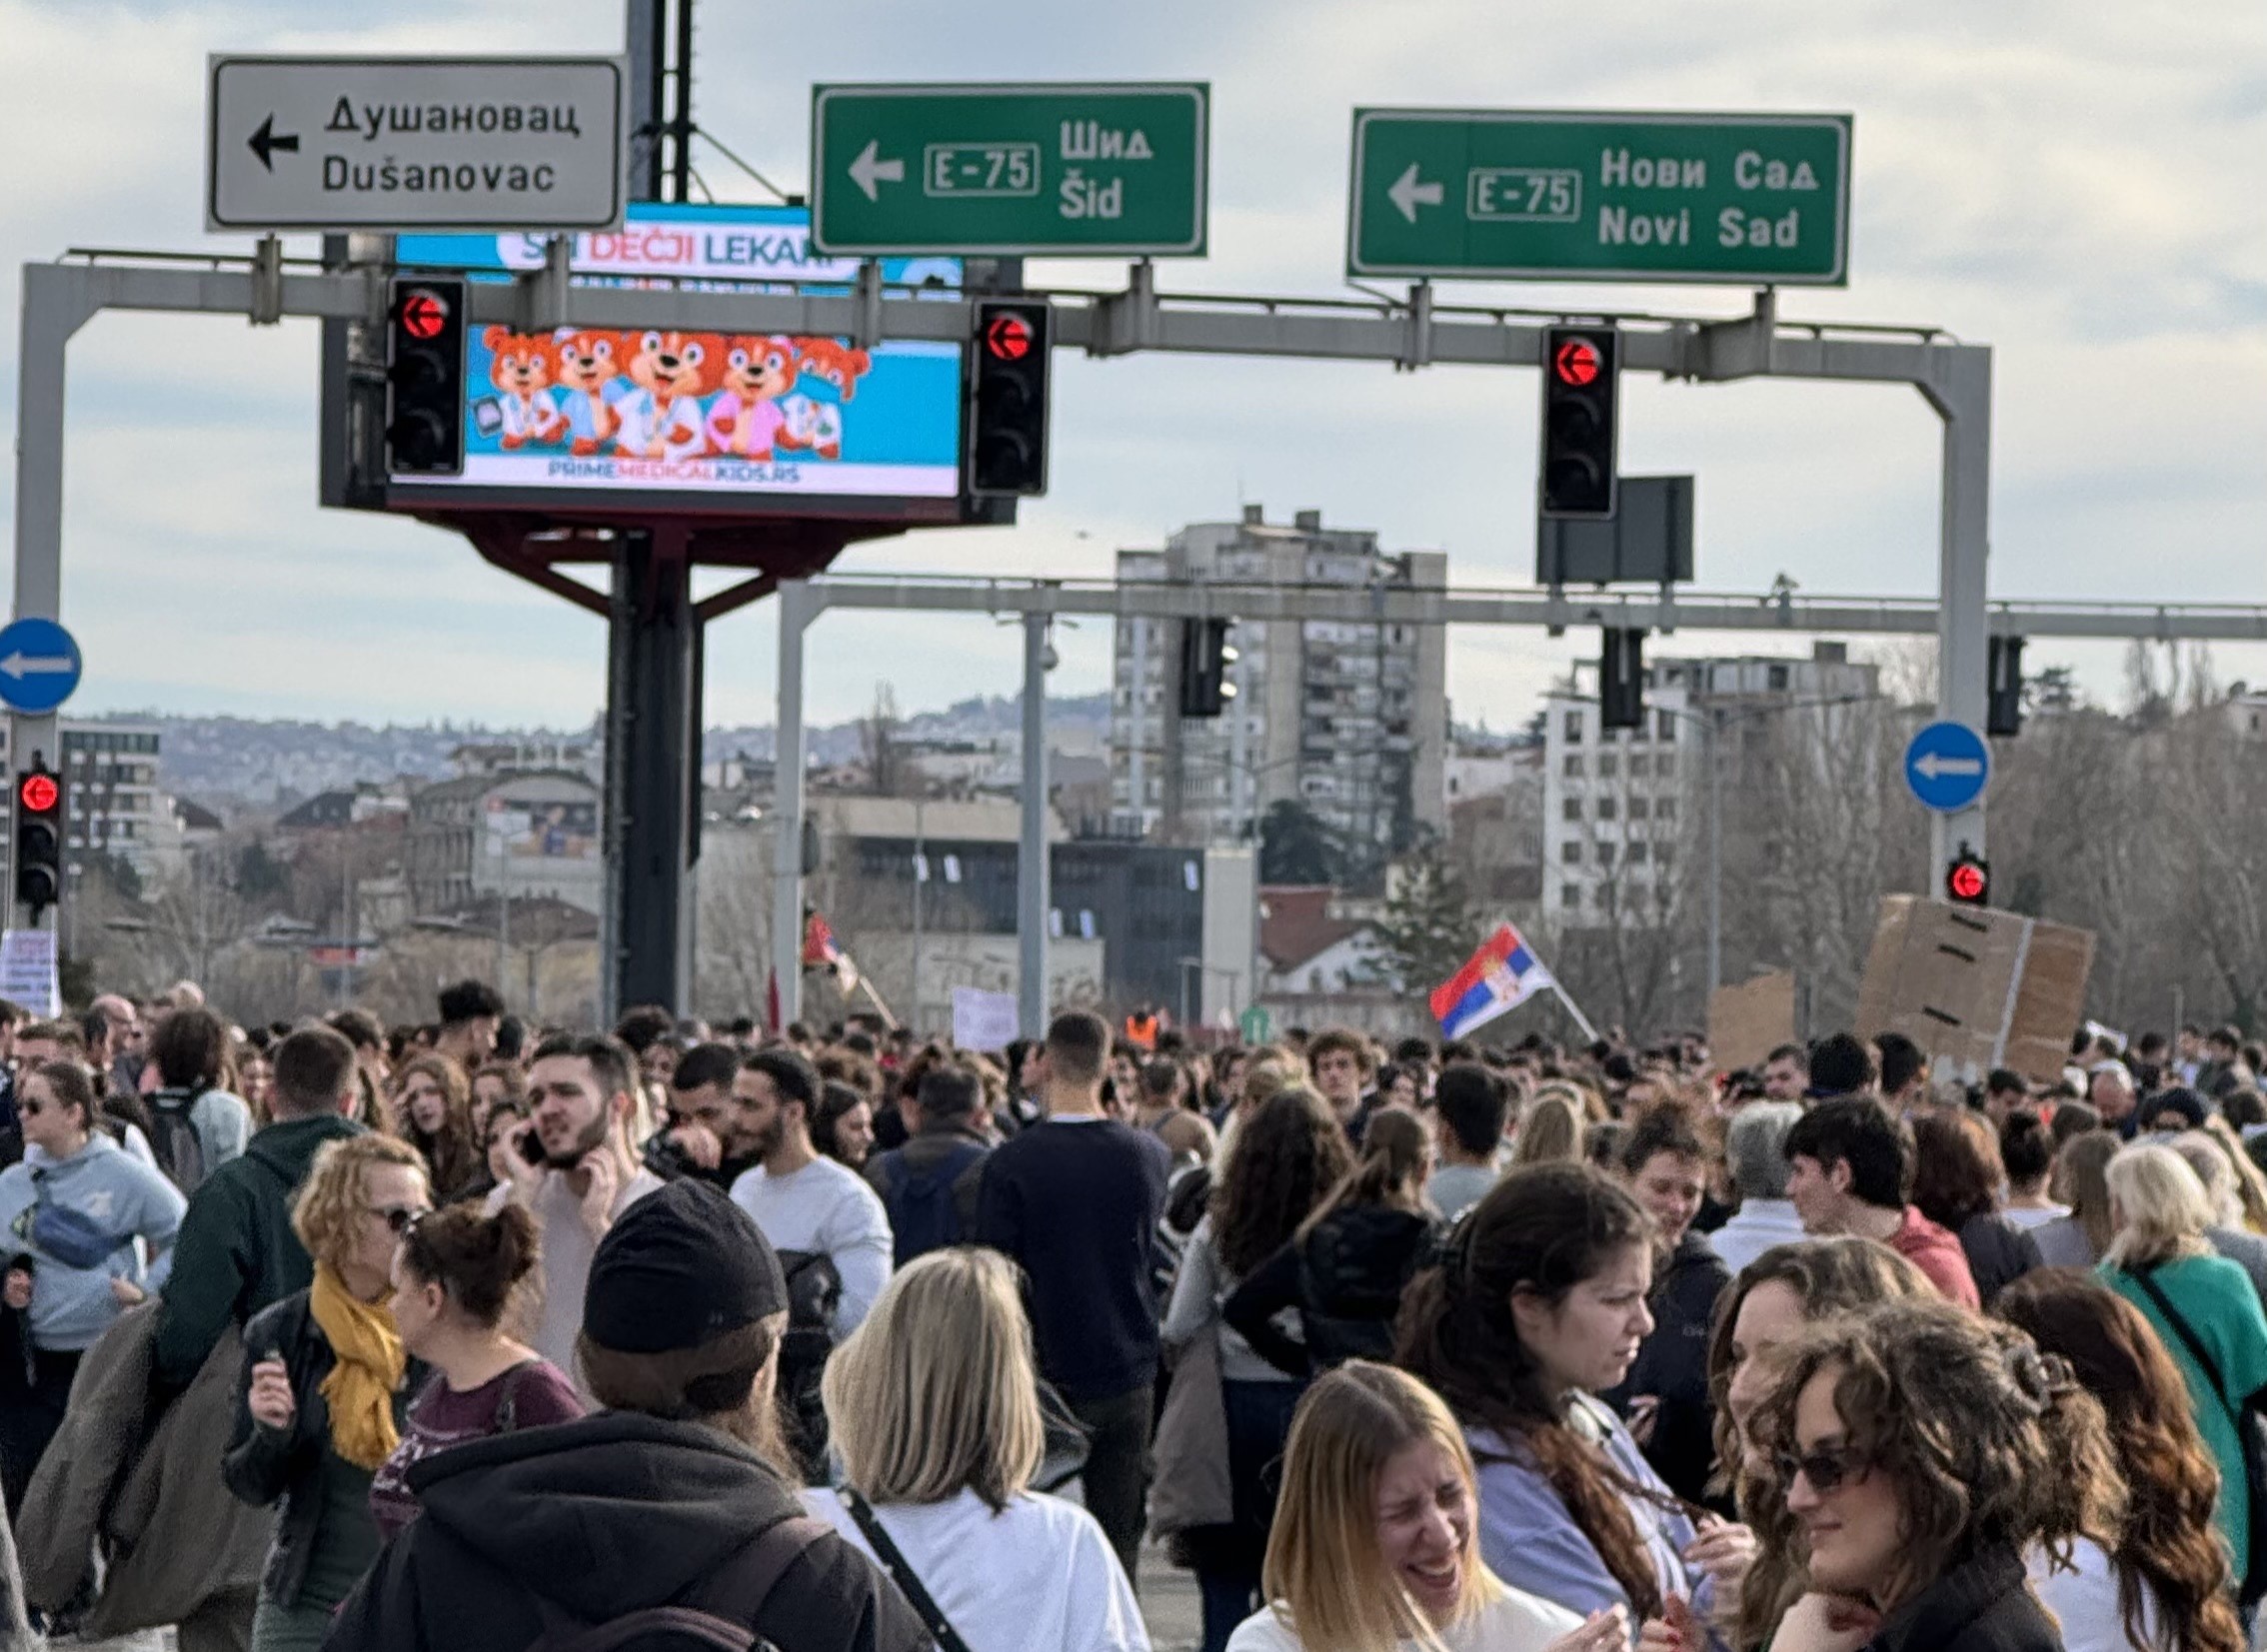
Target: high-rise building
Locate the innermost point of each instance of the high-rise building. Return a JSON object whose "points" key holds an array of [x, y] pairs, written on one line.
{"points": [[1620, 809], [1350, 719], [112, 802]]}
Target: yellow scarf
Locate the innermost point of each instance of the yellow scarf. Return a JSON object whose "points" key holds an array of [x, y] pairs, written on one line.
{"points": [[370, 1364]]}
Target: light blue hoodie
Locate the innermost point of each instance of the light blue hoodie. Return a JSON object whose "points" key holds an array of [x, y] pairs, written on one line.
{"points": [[71, 1307]]}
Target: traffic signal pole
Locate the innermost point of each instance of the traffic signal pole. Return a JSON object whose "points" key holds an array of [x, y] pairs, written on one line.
{"points": [[1959, 389]]}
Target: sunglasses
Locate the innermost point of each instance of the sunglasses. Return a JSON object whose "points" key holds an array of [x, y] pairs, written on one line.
{"points": [[1826, 1469], [402, 1217]]}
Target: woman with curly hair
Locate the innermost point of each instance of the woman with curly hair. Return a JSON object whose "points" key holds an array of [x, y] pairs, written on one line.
{"points": [[1768, 1307], [1538, 1306], [432, 1111], [1922, 1451], [2159, 1582], [1291, 1153]]}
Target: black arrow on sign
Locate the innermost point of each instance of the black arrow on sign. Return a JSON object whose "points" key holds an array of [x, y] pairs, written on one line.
{"points": [[265, 143]]}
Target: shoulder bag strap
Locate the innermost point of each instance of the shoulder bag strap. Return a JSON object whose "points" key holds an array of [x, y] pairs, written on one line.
{"points": [[906, 1579], [741, 1588], [507, 1417], [2182, 1329]]}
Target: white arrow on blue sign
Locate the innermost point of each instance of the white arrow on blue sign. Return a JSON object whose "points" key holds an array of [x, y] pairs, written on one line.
{"points": [[1947, 766], [39, 665]]}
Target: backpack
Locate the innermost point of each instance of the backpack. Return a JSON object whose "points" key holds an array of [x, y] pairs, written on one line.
{"points": [[731, 1600], [814, 1291], [925, 1213], [179, 1150]]}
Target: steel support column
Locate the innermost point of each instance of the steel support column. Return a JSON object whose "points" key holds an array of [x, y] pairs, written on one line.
{"points": [[653, 755], [798, 607], [1032, 902]]}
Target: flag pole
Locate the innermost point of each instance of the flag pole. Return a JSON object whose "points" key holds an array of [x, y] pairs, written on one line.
{"points": [[1581, 1020]]}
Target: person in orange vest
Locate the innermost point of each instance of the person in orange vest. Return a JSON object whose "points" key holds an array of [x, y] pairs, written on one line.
{"points": [[1141, 1029]]}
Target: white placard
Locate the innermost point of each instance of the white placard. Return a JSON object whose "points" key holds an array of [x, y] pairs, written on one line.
{"points": [[982, 1020], [27, 970]]}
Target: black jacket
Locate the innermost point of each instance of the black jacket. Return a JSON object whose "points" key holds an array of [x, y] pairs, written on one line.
{"points": [[603, 1516], [1347, 1278], [1982, 1605], [1999, 1253], [264, 1466], [1673, 1364]]}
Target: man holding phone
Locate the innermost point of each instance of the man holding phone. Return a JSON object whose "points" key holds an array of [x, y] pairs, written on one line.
{"points": [[572, 1167]]}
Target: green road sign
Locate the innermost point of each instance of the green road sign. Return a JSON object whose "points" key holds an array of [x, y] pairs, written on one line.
{"points": [[1117, 169], [1737, 199]]}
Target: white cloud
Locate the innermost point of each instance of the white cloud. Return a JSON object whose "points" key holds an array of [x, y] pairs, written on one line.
{"points": [[2075, 185]]}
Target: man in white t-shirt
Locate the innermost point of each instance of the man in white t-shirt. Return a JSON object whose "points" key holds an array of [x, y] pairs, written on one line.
{"points": [[804, 1201], [571, 1165]]}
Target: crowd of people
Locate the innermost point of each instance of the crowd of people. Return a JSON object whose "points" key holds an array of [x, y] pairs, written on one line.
{"points": [[477, 1334]]}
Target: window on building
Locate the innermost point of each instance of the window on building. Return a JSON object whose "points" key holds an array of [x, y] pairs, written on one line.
{"points": [[1608, 765], [1777, 677], [1640, 807], [1665, 766], [1640, 763], [1664, 725], [1573, 727], [1607, 808], [1664, 857], [1571, 809], [1605, 854], [1637, 853], [1573, 766], [1570, 852], [1666, 808], [1572, 896]]}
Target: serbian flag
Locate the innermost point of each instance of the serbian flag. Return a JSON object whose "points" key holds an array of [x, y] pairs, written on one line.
{"points": [[819, 949], [1502, 974]]}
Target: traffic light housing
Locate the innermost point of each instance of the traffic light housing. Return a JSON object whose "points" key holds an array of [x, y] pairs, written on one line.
{"points": [[1006, 441], [1205, 660], [2003, 690], [1967, 882], [1621, 680], [39, 838], [1581, 387], [425, 378]]}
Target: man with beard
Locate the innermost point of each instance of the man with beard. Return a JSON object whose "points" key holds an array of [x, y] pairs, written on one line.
{"points": [[571, 1165], [829, 1227]]}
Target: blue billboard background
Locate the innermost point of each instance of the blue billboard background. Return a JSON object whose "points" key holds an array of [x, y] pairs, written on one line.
{"points": [[709, 413]]}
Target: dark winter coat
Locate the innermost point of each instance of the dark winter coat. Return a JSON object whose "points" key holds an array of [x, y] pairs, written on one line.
{"points": [[1982, 1605], [284, 1467], [1346, 1275], [236, 1252], [1673, 1365], [604, 1516]]}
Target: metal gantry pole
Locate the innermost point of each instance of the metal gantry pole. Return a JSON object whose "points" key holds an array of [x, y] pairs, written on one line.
{"points": [[1961, 395], [1031, 900], [796, 609], [1715, 849]]}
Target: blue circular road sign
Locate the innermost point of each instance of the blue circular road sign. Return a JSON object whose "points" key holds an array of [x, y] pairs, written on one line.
{"points": [[1947, 766], [39, 665]]}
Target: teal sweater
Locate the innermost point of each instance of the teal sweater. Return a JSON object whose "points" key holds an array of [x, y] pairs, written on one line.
{"points": [[2216, 1297]]}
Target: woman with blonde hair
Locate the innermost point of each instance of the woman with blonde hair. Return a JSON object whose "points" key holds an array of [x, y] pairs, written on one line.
{"points": [[2080, 1180], [935, 1416], [1376, 1539], [2201, 1305], [326, 1388], [1550, 1130]]}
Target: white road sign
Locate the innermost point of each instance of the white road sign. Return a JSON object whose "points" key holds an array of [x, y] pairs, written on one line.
{"points": [[470, 143]]}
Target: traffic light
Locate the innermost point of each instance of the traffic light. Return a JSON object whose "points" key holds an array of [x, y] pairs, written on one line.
{"points": [[1205, 660], [2003, 674], [1621, 680], [1967, 882], [425, 378], [39, 838], [1005, 444], [1581, 378]]}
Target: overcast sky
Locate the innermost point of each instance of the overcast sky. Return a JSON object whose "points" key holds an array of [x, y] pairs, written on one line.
{"points": [[2077, 186]]}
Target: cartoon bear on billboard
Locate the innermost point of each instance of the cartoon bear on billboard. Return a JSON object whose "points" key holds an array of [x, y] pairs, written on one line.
{"points": [[745, 419], [587, 371], [661, 417], [522, 367]]}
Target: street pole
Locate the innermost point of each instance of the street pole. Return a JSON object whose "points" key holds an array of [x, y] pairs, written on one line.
{"points": [[920, 878], [1031, 861], [1715, 849], [503, 913]]}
